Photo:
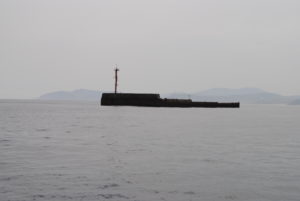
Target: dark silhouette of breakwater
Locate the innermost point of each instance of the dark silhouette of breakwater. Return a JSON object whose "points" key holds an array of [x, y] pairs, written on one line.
{"points": [[154, 100]]}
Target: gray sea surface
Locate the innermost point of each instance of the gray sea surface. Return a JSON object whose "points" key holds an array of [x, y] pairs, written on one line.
{"points": [[61, 151]]}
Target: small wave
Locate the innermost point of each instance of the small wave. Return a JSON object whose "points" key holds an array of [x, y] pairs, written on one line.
{"points": [[108, 186], [4, 140], [113, 196], [41, 129], [189, 193], [230, 197], [9, 178]]}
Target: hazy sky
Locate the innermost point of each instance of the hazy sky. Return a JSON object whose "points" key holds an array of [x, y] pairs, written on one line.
{"points": [[159, 45]]}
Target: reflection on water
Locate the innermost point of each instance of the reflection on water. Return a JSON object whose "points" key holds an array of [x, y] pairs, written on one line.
{"points": [[80, 151]]}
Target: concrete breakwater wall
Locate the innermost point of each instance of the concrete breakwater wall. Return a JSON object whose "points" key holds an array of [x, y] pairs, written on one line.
{"points": [[130, 99], [154, 100]]}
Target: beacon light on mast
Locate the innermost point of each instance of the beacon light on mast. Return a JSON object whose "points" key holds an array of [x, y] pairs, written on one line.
{"points": [[116, 79]]}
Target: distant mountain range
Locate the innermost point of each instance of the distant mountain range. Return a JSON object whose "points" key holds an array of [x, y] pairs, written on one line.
{"points": [[243, 95]]}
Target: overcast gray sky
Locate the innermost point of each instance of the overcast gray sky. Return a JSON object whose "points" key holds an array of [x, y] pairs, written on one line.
{"points": [[159, 45]]}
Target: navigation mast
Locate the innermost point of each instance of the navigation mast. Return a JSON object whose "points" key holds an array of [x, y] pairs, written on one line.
{"points": [[116, 78]]}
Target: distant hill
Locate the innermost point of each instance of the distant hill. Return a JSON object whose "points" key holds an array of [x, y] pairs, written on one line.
{"points": [[80, 94], [295, 102], [231, 92], [243, 95]]}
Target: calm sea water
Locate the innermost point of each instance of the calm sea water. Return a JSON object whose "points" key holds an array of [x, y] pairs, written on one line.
{"points": [[80, 151]]}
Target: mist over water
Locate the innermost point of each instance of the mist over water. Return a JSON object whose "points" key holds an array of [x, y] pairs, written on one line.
{"points": [[80, 151]]}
